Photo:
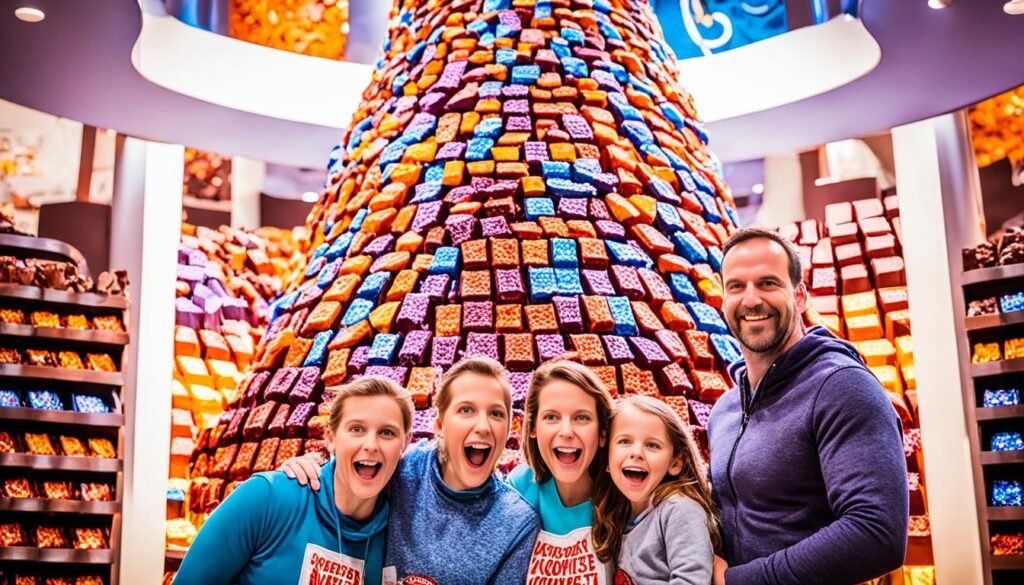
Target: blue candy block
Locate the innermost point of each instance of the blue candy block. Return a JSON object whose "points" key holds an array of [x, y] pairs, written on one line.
{"points": [[506, 57], [479, 149], [673, 115], [567, 188], [637, 132], [575, 67], [572, 36], [664, 192], [689, 247], [357, 220], [427, 192], [327, 275], [707, 318], [317, 355], [1012, 302], [535, 207], [682, 289], [489, 128], [490, 89], [567, 281], [1007, 493], [398, 82], [433, 174], [710, 212], [447, 260], [622, 315], [283, 304], [621, 106], [382, 352], [479, 26], [563, 253], [373, 285], [726, 347], [668, 219], [542, 284], [1000, 397], [715, 258], [559, 45], [319, 252], [392, 153], [625, 254], [525, 74], [686, 180], [315, 266], [1007, 441], [555, 169], [357, 311], [493, 5]]}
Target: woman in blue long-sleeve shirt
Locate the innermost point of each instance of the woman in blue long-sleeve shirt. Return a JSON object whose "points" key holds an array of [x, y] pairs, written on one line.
{"points": [[271, 530]]}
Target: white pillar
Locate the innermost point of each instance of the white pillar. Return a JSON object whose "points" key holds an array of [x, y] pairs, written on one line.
{"points": [[246, 183], [146, 228], [783, 191], [930, 170]]}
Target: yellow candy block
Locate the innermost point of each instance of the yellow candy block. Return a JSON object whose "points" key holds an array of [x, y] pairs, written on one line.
{"points": [[905, 350], [910, 376], [409, 242], [877, 352], [193, 370], [454, 171], [505, 153], [342, 289], [406, 173], [186, 342], [647, 206], [225, 374], [863, 327], [383, 316], [206, 400], [888, 377], [858, 304], [423, 152], [180, 397]]}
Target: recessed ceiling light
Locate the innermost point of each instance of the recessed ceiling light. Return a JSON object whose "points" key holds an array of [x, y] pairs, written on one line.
{"points": [[1014, 7], [29, 14], [310, 196], [757, 189], [939, 4]]}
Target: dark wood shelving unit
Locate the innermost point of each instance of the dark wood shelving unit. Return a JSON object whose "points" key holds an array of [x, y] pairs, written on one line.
{"points": [[29, 299], [990, 465]]}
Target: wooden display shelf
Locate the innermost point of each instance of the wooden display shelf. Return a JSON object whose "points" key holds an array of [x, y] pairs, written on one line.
{"points": [[999, 412], [919, 551], [60, 462], [60, 297], [1005, 513], [44, 248], [66, 417], [56, 555], [1001, 457], [63, 374], [1007, 562], [59, 506], [92, 336], [993, 321], [997, 367], [173, 554], [993, 274]]}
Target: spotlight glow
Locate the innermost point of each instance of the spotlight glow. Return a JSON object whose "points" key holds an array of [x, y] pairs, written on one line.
{"points": [[29, 14], [310, 196], [939, 4]]}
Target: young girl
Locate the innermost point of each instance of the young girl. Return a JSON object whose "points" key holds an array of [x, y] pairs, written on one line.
{"points": [[567, 414], [653, 511], [270, 530], [452, 522]]}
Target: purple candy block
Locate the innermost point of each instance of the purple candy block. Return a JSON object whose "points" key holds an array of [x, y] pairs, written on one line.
{"points": [[478, 315], [655, 285], [577, 127], [190, 274], [187, 314], [701, 412], [627, 281], [183, 253], [520, 383], [572, 208], [450, 151], [217, 286], [617, 349], [482, 344], [515, 91], [309, 296], [432, 103], [254, 391], [481, 183], [235, 309], [461, 194], [414, 312], [197, 258], [549, 346], [423, 423], [596, 282], [306, 387], [518, 124], [461, 228], [451, 78], [598, 210], [435, 287], [649, 354], [380, 246], [570, 317], [358, 360], [281, 384], [427, 216], [396, 373], [296, 425], [414, 348], [212, 317], [510, 285], [503, 188], [610, 230], [536, 152], [443, 351], [606, 182], [513, 107], [495, 227]]}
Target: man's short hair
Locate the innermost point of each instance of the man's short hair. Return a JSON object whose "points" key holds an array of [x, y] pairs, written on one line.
{"points": [[796, 272]]}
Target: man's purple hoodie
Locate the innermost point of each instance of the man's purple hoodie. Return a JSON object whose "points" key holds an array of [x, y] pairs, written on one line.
{"points": [[809, 470]]}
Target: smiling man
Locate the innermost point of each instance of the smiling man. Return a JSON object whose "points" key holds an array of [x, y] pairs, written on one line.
{"points": [[807, 459]]}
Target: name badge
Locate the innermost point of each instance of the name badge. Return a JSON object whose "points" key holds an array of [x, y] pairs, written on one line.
{"points": [[566, 560], [325, 567]]}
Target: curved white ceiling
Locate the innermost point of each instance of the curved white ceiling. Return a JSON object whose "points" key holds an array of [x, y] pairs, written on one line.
{"points": [[807, 62]]}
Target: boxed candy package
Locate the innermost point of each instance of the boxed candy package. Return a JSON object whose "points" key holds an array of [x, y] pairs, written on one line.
{"points": [[1000, 397]]}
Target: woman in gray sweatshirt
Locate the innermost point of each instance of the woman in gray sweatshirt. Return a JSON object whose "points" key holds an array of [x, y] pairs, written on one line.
{"points": [[653, 511]]}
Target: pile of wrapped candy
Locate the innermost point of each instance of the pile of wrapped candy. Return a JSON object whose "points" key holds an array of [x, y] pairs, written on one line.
{"points": [[311, 27], [54, 400], [47, 444], [23, 578], [1007, 544], [53, 536], [1012, 348], [61, 320], [100, 362], [1009, 249], [20, 487], [519, 183]]}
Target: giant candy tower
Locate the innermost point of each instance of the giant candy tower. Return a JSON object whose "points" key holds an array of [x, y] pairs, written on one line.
{"points": [[523, 179]]}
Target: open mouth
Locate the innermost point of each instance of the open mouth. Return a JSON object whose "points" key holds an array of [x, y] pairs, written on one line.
{"points": [[477, 455], [755, 318], [567, 455], [367, 469], [635, 474]]}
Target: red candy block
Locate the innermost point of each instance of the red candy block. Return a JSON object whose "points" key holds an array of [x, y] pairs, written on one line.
{"points": [[637, 381], [519, 354], [674, 346], [699, 344], [474, 255], [677, 317], [589, 349], [646, 320], [710, 385], [541, 319], [674, 381], [609, 377]]}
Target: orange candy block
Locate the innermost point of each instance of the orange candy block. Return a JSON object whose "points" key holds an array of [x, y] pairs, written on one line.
{"points": [[519, 352], [509, 319], [677, 316], [241, 349], [379, 222], [588, 349], [864, 327], [447, 320], [581, 228], [711, 292], [646, 320], [593, 253], [535, 253], [475, 284], [454, 171], [609, 376], [403, 220], [505, 252], [533, 186], [337, 367], [622, 210], [409, 242], [352, 335], [554, 227], [651, 239], [674, 263], [392, 262], [422, 262], [186, 342], [404, 284], [505, 153], [526, 230], [647, 206], [297, 352], [541, 319], [598, 314], [474, 255], [276, 348], [322, 317], [383, 317], [637, 381], [423, 385], [343, 288], [357, 265]]}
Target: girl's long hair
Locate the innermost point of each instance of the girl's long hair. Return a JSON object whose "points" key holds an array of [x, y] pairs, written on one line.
{"points": [[612, 510]]}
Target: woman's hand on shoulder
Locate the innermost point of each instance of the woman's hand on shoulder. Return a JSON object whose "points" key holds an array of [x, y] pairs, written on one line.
{"points": [[304, 469]]}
